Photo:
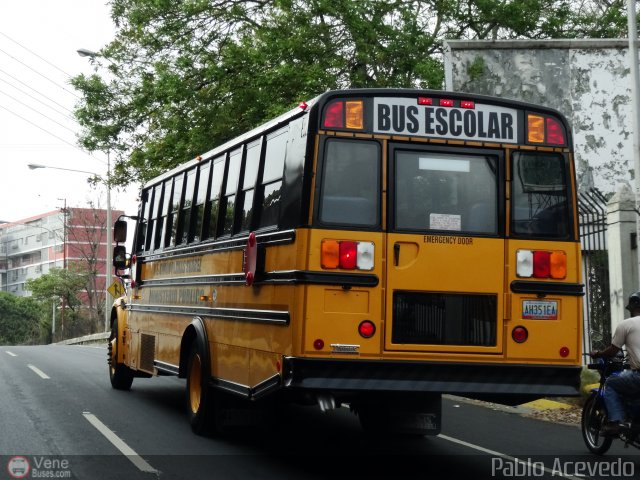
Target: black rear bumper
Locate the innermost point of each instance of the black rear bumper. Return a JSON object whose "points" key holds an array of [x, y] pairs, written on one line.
{"points": [[475, 380]]}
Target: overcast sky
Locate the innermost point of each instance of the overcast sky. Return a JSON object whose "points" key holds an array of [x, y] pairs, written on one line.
{"points": [[38, 43]]}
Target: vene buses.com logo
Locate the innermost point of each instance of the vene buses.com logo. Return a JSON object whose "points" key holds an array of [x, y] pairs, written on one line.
{"points": [[18, 467]]}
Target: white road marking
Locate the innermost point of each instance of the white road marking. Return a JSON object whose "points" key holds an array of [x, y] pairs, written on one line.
{"points": [[39, 372], [505, 456], [117, 442], [11, 353]]}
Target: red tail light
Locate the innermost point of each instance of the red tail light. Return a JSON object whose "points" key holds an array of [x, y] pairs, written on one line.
{"points": [[367, 329], [541, 264], [348, 254], [519, 334]]}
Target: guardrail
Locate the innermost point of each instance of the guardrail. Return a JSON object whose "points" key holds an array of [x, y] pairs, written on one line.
{"points": [[96, 338]]}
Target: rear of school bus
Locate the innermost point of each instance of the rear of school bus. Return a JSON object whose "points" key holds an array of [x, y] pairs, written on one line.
{"points": [[445, 255]]}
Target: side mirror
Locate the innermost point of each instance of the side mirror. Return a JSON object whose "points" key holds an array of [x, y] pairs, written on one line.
{"points": [[120, 232], [120, 257]]}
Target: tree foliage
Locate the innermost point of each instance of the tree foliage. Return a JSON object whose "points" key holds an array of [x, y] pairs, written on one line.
{"points": [[19, 319], [183, 76], [59, 283]]}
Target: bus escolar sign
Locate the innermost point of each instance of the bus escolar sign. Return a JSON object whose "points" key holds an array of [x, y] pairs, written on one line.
{"points": [[404, 116]]}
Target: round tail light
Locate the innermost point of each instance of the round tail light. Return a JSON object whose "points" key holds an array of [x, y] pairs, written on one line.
{"points": [[519, 334], [367, 329]]}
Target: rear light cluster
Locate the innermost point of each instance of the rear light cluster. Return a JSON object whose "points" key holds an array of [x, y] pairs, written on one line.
{"points": [[347, 255], [543, 129], [344, 114], [541, 264]]}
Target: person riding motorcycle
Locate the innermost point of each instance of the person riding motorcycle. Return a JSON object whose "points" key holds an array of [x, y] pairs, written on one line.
{"points": [[626, 384]]}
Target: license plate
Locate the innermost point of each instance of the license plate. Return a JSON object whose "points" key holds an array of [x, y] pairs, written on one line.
{"points": [[540, 309]]}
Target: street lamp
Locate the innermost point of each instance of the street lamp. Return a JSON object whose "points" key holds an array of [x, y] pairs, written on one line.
{"points": [[107, 182], [83, 52]]}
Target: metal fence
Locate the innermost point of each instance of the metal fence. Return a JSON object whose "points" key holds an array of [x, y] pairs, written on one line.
{"points": [[592, 211]]}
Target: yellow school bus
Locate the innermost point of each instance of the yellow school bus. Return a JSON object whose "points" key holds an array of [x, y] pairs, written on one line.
{"points": [[373, 248]]}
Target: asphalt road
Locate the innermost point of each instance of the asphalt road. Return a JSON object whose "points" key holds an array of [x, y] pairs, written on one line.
{"points": [[60, 418]]}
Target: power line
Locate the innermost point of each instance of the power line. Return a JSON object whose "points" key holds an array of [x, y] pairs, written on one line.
{"points": [[48, 132], [38, 100], [33, 89], [35, 54], [38, 73], [37, 111]]}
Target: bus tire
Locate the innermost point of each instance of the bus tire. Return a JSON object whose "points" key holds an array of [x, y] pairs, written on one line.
{"points": [[594, 416], [120, 375], [199, 395]]}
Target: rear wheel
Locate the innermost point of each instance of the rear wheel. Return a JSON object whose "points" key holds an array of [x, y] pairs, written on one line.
{"points": [[199, 404], [594, 416], [120, 375]]}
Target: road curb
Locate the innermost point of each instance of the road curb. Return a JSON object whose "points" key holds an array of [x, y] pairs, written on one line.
{"points": [[96, 338]]}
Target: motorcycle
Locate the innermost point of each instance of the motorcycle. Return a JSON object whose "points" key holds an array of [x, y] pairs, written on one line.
{"points": [[594, 412]]}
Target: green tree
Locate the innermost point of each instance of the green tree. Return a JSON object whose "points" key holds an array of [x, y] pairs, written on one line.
{"points": [[60, 285], [183, 76], [19, 319]]}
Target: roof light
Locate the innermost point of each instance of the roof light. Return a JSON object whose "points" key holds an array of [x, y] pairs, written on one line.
{"points": [[555, 132], [535, 128], [425, 101], [355, 115], [467, 104], [446, 102], [303, 105], [334, 115]]}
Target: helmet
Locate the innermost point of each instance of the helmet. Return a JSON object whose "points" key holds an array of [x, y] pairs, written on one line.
{"points": [[634, 301]]}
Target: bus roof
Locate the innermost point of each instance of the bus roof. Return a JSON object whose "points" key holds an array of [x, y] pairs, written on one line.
{"points": [[311, 106]]}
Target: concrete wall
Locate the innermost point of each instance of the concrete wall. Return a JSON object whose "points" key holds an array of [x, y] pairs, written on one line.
{"points": [[587, 80]]}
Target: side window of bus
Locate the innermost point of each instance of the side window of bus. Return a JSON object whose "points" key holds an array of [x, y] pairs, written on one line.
{"points": [[184, 224], [171, 227], [539, 195], [446, 192], [251, 164], [231, 187], [272, 178], [161, 230], [350, 190], [217, 178], [143, 223], [152, 221], [201, 198]]}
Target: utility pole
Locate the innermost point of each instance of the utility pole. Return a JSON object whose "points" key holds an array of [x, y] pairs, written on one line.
{"points": [[635, 111]]}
